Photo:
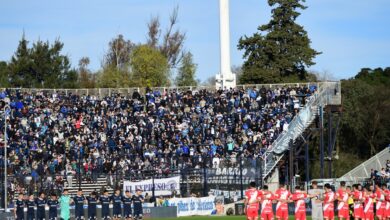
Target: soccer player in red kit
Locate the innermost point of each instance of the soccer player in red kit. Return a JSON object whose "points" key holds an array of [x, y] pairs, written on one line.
{"points": [[387, 198], [357, 197], [329, 198], [380, 203], [342, 197], [282, 195], [300, 208], [266, 204], [368, 209], [252, 199]]}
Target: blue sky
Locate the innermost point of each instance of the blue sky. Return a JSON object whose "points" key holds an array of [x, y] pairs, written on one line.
{"points": [[351, 33]]}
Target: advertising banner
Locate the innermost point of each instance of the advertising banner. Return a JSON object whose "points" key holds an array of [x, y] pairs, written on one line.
{"points": [[162, 187], [193, 206]]}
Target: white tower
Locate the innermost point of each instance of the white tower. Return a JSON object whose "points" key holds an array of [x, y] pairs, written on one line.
{"points": [[225, 78]]}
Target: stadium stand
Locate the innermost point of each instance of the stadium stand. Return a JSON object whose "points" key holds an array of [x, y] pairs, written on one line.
{"points": [[377, 168], [57, 136]]}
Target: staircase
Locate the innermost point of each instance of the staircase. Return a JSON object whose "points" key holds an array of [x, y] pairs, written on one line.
{"points": [[363, 171], [328, 93], [88, 186]]}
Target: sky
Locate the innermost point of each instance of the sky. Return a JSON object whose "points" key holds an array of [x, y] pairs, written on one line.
{"points": [[351, 34]]}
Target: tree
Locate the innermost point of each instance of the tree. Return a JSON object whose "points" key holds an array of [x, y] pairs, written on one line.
{"points": [[171, 45], [20, 66], [42, 65], [209, 81], [86, 78], [187, 71], [366, 119], [321, 76], [281, 50], [376, 76], [116, 64], [111, 77], [149, 67], [118, 55], [4, 80], [69, 81], [238, 71]]}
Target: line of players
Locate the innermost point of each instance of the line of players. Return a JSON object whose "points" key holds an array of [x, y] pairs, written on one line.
{"points": [[79, 201], [363, 200]]}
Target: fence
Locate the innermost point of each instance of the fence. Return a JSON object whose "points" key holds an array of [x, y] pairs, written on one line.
{"points": [[232, 174], [102, 92]]}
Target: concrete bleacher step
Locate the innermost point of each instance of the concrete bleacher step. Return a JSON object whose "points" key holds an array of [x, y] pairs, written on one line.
{"points": [[88, 186]]}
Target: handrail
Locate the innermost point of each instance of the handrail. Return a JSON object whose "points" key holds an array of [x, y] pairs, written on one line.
{"points": [[367, 163], [301, 122]]}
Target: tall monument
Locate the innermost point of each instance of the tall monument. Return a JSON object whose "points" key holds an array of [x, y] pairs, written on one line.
{"points": [[225, 78]]}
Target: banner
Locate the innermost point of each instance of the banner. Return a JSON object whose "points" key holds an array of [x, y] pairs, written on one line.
{"points": [[193, 206], [162, 187], [225, 177], [234, 194]]}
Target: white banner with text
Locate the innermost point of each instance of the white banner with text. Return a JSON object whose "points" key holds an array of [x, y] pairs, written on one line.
{"points": [[162, 187], [193, 206]]}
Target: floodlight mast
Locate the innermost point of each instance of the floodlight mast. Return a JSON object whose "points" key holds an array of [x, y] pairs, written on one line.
{"points": [[225, 78]]}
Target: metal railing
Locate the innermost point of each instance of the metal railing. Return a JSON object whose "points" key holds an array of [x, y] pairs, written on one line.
{"points": [[376, 162], [101, 92], [327, 93], [231, 174]]}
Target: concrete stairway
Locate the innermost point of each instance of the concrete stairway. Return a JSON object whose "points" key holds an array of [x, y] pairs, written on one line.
{"points": [[88, 186], [329, 93]]}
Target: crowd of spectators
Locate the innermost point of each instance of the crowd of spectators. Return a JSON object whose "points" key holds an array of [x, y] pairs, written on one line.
{"points": [[52, 135], [381, 176]]}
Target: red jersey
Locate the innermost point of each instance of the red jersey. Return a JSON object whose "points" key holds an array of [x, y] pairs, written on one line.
{"points": [[380, 198], [343, 196], [299, 198], [329, 201], [380, 203], [357, 196], [369, 202], [252, 195], [358, 204], [387, 196], [342, 205], [266, 202], [282, 194]]}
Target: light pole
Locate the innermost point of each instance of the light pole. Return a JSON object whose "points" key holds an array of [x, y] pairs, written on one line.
{"points": [[79, 166], [153, 189], [5, 158]]}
